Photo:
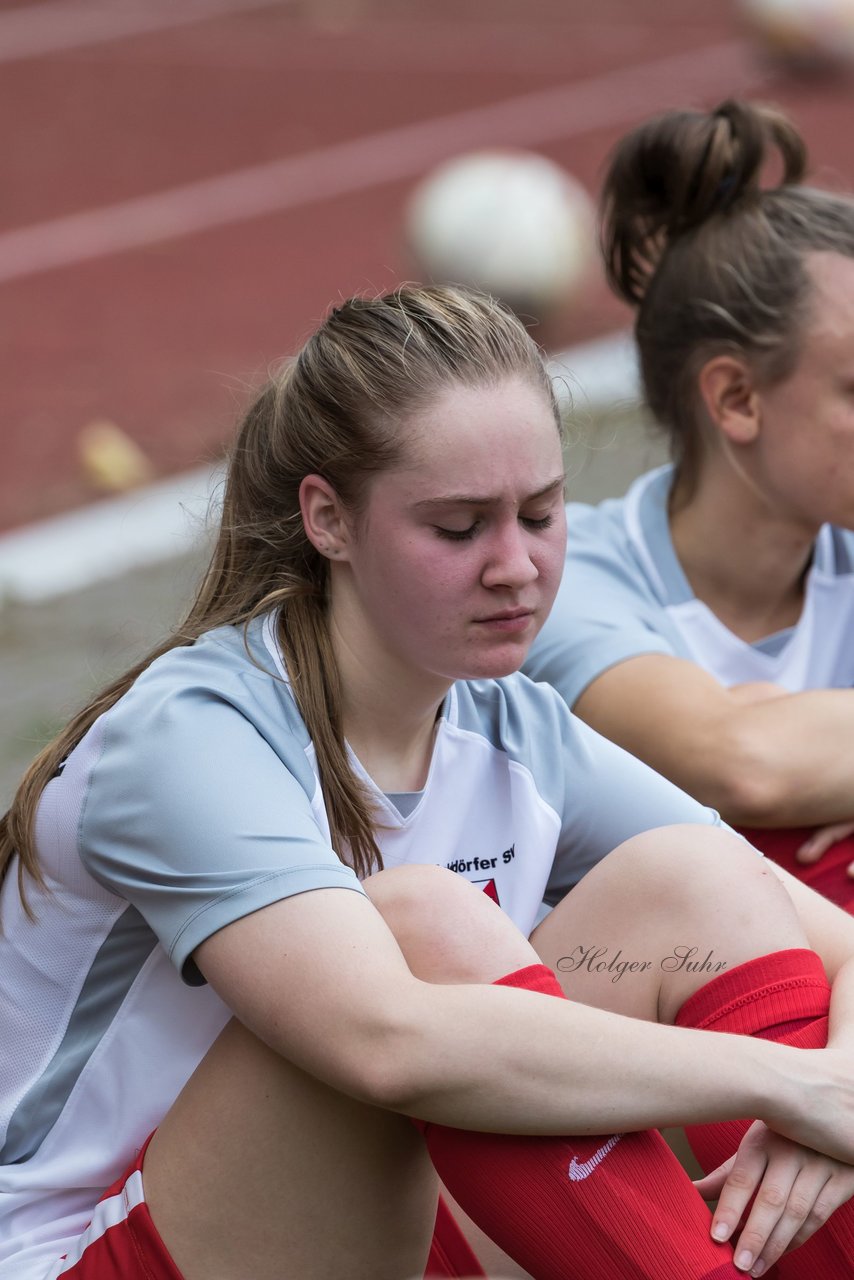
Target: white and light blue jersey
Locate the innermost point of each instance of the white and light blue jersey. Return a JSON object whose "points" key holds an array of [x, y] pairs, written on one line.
{"points": [[194, 801], [624, 593]]}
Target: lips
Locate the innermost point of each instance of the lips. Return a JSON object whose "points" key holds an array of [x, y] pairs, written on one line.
{"points": [[507, 615], [508, 621]]}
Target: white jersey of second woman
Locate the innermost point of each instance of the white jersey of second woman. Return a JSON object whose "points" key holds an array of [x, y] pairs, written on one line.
{"points": [[624, 593]]}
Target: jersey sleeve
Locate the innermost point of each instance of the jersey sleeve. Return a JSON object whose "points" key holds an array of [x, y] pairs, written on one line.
{"points": [[610, 796], [195, 819], [605, 611], [599, 793]]}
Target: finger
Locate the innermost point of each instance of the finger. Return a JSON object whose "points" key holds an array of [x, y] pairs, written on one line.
{"points": [[835, 1192], [711, 1185], [798, 1214], [769, 1207], [817, 845], [850, 870], [745, 1174], [821, 840]]}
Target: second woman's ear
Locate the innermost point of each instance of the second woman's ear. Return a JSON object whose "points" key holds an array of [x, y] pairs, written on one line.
{"points": [[323, 517], [730, 398]]}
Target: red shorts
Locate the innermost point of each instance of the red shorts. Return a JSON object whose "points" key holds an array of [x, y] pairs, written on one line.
{"points": [[121, 1242]]}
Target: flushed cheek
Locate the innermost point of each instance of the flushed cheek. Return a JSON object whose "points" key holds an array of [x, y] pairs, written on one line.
{"points": [[553, 558], [441, 575], [550, 565], [429, 597]]}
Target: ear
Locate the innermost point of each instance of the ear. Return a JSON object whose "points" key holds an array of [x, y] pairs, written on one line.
{"points": [[323, 517], [730, 398]]}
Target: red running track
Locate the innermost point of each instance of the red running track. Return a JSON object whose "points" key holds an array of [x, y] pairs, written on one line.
{"points": [[187, 184]]}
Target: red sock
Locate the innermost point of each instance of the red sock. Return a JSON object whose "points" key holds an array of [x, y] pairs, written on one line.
{"points": [[451, 1255], [595, 1208], [782, 997], [829, 876]]}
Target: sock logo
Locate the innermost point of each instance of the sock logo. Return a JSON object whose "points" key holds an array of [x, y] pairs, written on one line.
{"points": [[581, 1169]]}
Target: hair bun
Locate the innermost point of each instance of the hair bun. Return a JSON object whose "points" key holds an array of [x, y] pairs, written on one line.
{"points": [[677, 170]]}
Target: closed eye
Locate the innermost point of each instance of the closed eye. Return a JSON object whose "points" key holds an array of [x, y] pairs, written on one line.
{"points": [[544, 522], [458, 535], [465, 535]]}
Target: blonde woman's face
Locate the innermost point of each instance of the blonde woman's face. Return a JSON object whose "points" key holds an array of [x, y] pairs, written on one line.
{"points": [[457, 558]]}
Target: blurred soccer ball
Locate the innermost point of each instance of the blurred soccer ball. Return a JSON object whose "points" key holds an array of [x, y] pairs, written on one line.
{"points": [[807, 34], [509, 222]]}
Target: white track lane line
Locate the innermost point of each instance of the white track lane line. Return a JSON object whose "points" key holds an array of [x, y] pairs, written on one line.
{"points": [[615, 98], [168, 519], [42, 29], [71, 551]]}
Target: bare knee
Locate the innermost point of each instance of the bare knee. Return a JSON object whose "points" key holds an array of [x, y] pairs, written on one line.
{"points": [[448, 930], [707, 872], [660, 899]]}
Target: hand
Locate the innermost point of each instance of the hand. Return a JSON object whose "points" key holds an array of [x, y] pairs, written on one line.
{"points": [[822, 839], [796, 1191]]}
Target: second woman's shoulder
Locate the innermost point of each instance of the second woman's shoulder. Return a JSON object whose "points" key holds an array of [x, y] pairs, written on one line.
{"points": [[615, 544]]}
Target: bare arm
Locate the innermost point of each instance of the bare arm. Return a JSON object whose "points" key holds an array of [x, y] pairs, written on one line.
{"points": [[761, 760], [320, 978]]}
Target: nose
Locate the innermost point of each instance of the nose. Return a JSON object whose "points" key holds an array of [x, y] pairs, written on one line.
{"points": [[509, 563]]}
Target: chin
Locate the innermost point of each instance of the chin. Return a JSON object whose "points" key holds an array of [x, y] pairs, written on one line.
{"points": [[495, 667]]}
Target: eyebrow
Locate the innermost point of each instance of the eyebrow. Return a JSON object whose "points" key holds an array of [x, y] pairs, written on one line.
{"points": [[479, 500]]}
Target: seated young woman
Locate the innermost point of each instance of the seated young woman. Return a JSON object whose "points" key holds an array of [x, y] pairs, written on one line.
{"points": [[706, 620], [275, 894]]}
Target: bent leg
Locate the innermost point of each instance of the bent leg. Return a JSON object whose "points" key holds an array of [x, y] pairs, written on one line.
{"points": [[661, 898], [662, 915], [592, 1206], [564, 1207], [260, 1170]]}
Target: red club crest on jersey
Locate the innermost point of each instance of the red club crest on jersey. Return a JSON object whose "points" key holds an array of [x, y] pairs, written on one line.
{"points": [[490, 889]]}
